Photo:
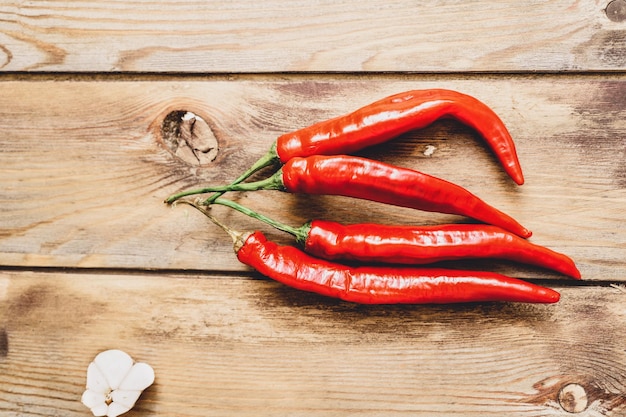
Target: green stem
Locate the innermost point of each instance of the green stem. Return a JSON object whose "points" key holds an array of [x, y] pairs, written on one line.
{"points": [[300, 233], [270, 158], [275, 182], [238, 238]]}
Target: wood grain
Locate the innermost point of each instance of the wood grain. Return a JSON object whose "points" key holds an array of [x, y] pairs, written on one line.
{"points": [[108, 107], [275, 36], [83, 172], [227, 345]]}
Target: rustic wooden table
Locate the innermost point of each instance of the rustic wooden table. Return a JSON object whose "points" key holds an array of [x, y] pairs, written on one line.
{"points": [[91, 259]]}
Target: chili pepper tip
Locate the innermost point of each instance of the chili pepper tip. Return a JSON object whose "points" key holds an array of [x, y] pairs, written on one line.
{"points": [[549, 295]]}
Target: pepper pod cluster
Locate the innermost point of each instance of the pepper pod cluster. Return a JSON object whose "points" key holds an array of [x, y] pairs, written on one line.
{"points": [[391, 259]]}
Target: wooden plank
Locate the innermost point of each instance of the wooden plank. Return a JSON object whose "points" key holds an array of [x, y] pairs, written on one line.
{"points": [[275, 36], [228, 345], [83, 171]]}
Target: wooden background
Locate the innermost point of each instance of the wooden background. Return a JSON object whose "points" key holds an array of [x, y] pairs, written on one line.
{"points": [[91, 259]]}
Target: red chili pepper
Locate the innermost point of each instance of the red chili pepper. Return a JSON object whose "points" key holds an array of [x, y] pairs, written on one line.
{"points": [[385, 119], [352, 176], [415, 244], [376, 284], [397, 114]]}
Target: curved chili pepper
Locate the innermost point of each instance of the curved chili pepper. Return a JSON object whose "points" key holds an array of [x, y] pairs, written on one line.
{"points": [[415, 244], [377, 284], [397, 114], [390, 117], [357, 177]]}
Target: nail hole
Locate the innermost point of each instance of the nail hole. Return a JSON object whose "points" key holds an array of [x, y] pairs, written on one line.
{"points": [[573, 398], [189, 137], [616, 10]]}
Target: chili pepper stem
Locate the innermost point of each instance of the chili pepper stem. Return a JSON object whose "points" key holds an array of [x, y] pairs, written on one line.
{"points": [[238, 238], [271, 183], [270, 158], [300, 233]]}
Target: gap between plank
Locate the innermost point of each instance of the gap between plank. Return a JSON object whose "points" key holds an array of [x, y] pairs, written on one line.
{"points": [[194, 273], [294, 76]]}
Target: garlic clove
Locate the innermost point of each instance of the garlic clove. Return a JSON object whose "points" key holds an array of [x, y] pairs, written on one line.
{"points": [[116, 409], [114, 365], [96, 381], [140, 377], [93, 399], [100, 410], [125, 397]]}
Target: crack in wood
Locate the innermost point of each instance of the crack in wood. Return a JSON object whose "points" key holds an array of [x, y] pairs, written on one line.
{"points": [[4, 343]]}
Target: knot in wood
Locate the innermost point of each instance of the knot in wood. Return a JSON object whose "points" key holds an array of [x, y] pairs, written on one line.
{"points": [[189, 137], [5, 56], [573, 398], [616, 10]]}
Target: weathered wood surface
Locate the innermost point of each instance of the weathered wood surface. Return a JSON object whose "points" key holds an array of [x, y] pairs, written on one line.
{"points": [[83, 172], [91, 259], [277, 36], [223, 346]]}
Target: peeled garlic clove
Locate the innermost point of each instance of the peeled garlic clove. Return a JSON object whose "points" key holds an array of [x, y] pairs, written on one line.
{"points": [[116, 409], [100, 410], [140, 377], [92, 399], [114, 365], [96, 381], [125, 397]]}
